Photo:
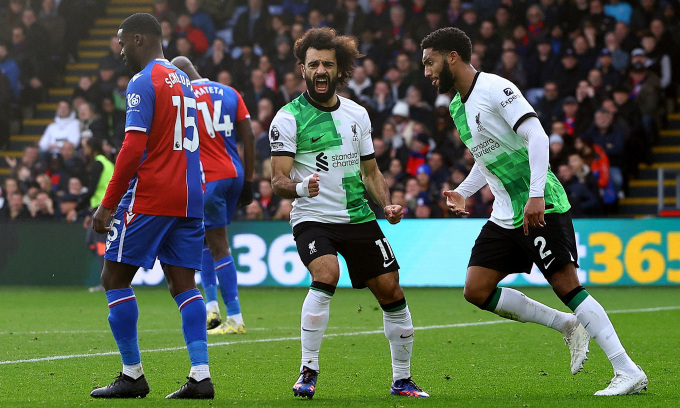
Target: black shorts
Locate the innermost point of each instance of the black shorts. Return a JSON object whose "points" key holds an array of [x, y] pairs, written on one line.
{"points": [[364, 247], [510, 251]]}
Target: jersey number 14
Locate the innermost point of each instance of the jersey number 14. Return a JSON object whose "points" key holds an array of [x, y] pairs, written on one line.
{"points": [[213, 122]]}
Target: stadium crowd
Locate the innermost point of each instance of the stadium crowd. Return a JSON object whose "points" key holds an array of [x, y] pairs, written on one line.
{"points": [[601, 75]]}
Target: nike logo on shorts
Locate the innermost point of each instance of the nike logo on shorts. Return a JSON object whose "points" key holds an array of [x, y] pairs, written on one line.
{"points": [[386, 264], [548, 264], [316, 139]]}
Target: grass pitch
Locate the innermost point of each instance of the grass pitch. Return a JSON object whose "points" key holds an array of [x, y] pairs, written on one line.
{"points": [[56, 346]]}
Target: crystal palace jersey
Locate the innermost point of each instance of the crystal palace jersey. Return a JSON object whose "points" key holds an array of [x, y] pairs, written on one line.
{"points": [[331, 142], [487, 119], [219, 107], [168, 181]]}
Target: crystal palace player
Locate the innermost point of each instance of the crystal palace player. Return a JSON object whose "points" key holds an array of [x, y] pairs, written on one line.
{"points": [[160, 215], [219, 105], [530, 222]]}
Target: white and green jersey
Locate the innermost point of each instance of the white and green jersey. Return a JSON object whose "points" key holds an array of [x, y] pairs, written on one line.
{"points": [[487, 119], [331, 142]]}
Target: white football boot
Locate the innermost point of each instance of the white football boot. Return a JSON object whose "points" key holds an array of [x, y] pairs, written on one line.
{"points": [[577, 339], [624, 384]]}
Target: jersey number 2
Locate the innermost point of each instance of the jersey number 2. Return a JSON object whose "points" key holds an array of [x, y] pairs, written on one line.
{"points": [[213, 121], [180, 141]]}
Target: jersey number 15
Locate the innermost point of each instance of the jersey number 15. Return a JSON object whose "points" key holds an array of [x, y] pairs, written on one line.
{"points": [[180, 140]]}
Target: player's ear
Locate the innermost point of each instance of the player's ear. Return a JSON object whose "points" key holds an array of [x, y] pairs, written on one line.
{"points": [[138, 39], [302, 70]]}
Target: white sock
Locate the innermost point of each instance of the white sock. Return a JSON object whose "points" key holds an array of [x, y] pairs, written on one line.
{"points": [[515, 305], [134, 371], [399, 331], [235, 320], [200, 372], [212, 307], [594, 318], [315, 314]]}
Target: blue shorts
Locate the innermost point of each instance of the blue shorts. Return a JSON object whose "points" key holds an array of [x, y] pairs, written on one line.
{"points": [[219, 202], [137, 239]]}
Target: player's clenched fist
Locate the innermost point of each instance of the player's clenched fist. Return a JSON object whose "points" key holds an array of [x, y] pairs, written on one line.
{"points": [[393, 213], [309, 187]]}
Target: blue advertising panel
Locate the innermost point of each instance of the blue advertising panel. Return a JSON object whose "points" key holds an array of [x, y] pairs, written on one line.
{"points": [[435, 252]]}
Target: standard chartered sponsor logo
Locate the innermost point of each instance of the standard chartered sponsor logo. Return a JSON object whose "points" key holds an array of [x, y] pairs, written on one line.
{"points": [[345, 159], [485, 147]]}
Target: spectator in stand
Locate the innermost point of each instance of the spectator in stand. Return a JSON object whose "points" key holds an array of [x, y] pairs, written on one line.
{"points": [[200, 19], [113, 57], [262, 147], [15, 209], [394, 142], [42, 207], [549, 107], [198, 39], [420, 146], [361, 84], [283, 212], [397, 171], [558, 154], [64, 128], [55, 26], [224, 77], [168, 39], [568, 73], [106, 81], [574, 122], [584, 202], [10, 68], [30, 160], [114, 121], [71, 165], [403, 124], [266, 198], [91, 125], [186, 49], [265, 112], [34, 71], [611, 77], [244, 66], [257, 90], [270, 80], [377, 18], [381, 104], [10, 16], [642, 16], [349, 18], [419, 110], [587, 103], [585, 54], [252, 27], [86, 90], [283, 59], [118, 94], [535, 21], [510, 68], [612, 141], [645, 90], [658, 61], [597, 18], [6, 98], [540, 68], [291, 86], [618, 58], [162, 11], [439, 172]]}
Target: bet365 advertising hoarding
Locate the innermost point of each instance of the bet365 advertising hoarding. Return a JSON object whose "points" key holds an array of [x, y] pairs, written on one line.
{"points": [[435, 252]]}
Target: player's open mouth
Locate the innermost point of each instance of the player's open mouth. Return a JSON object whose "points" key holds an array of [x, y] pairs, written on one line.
{"points": [[321, 84]]}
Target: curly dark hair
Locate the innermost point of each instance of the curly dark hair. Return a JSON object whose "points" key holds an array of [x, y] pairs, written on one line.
{"points": [[346, 51], [449, 39]]}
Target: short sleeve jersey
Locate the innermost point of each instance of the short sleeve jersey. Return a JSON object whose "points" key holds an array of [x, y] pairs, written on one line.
{"points": [[219, 107], [487, 119], [331, 142], [168, 181]]}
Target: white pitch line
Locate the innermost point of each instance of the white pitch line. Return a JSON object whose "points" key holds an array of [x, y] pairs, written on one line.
{"points": [[252, 341]]}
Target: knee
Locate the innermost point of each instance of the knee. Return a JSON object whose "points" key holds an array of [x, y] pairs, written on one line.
{"points": [[475, 296]]}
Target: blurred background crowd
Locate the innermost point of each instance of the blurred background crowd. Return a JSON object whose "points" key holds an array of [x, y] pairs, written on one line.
{"points": [[601, 74]]}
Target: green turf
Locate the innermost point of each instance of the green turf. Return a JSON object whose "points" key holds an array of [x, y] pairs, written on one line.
{"points": [[496, 365]]}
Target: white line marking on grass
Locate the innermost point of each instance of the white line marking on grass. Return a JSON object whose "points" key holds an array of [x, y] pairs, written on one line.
{"points": [[271, 340]]}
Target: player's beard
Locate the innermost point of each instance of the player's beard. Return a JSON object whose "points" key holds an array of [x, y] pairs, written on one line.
{"points": [[445, 79], [321, 97]]}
